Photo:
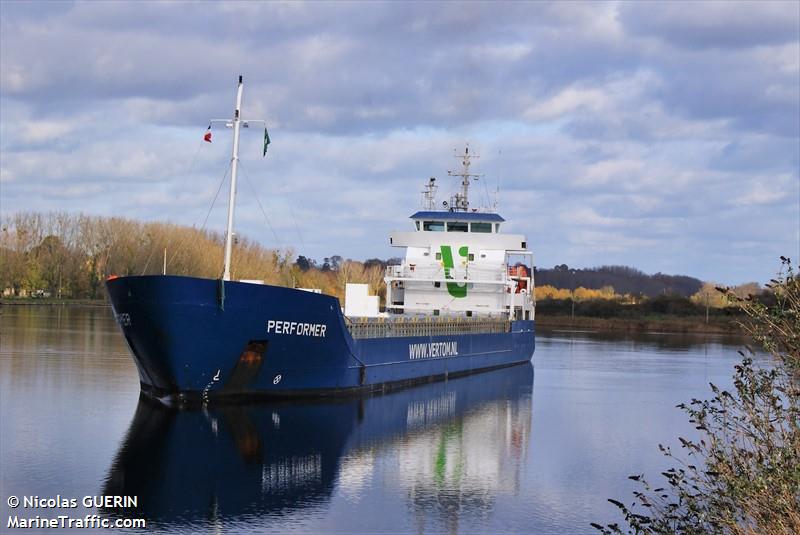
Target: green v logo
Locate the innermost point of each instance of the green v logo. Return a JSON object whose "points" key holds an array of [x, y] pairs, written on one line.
{"points": [[453, 288]]}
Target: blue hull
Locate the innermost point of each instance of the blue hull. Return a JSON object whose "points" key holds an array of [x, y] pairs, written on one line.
{"points": [[195, 339]]}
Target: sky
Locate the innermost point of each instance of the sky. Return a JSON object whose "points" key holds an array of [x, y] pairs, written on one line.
{"points": [[663, 136]]}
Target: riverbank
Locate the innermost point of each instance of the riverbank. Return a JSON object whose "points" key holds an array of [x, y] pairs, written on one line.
{"points": [[651, 324], [49, 301], [665, 324]]}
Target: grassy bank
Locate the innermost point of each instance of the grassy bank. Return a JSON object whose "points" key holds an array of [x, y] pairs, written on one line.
{"points": [[671, 324], [652, 323], [53, 302]]}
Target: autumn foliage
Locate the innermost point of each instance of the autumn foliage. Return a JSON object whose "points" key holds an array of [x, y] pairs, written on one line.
{"points": [[69, 256]]}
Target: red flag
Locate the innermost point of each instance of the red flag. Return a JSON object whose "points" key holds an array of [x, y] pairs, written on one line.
{"points": [[207, 137]]}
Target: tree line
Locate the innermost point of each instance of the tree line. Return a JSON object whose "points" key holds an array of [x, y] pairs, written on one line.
{"points": [[65, 255], [607, 303], [624, 280], [69, 256], [621, 291]]}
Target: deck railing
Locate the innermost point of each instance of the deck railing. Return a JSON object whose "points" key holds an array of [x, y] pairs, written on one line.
{"points": [[399, 327], [473, 271]]}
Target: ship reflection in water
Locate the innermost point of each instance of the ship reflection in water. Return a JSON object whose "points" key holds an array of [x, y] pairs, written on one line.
{"points": [[442, 451]]}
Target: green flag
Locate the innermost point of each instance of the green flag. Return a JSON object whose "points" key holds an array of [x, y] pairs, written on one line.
{"points": [[266, 140]]}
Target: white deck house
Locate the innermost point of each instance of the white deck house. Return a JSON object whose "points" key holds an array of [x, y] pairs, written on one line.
{"points": [[460, 264]]}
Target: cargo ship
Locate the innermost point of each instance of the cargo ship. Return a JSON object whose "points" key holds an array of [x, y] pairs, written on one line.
{"points": [[460, 302]]}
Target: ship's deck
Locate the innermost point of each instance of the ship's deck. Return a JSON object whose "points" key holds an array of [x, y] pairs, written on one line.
{"points": [[433, 326]]}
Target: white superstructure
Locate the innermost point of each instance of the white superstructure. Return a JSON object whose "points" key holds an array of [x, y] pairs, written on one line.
{"points": [[458, 263]]}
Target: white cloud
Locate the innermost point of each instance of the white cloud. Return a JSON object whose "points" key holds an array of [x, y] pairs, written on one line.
{"points": [[618, 132], [569, 100], [767, 191], [40, 131], [501, 52]]}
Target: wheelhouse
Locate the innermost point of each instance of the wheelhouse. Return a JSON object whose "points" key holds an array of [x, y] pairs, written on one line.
{"points": [[474, 222]]}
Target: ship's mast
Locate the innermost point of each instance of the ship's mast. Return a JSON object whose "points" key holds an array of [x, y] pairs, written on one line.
{"points": [[460, 201], [226, 274], [236, 123]]}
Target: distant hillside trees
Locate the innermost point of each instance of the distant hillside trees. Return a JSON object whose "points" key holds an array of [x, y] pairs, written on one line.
{"points": [[579, 294], [624, 280], [590, 293]]}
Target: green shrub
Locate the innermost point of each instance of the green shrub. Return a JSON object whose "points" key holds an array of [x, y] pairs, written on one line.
{"points": [[599, 308], [743, 475]]}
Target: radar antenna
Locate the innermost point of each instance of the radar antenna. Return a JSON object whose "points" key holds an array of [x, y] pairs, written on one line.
{"points": [[460, 201], [429, 194]]}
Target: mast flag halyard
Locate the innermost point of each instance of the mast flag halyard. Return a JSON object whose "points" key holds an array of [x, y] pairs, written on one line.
{"points": [[236, 123]]}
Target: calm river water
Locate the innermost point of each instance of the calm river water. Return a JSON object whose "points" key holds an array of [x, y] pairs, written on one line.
{"points": [[533, 449]]}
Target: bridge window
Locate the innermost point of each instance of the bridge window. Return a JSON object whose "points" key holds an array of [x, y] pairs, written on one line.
{"points": [[457, 226], [433, 226], [481, 227], [417, 223]]}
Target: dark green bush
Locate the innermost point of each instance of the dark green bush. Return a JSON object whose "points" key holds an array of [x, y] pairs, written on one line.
{"points": [[671, 304], [742, 476], [599, 308]]}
